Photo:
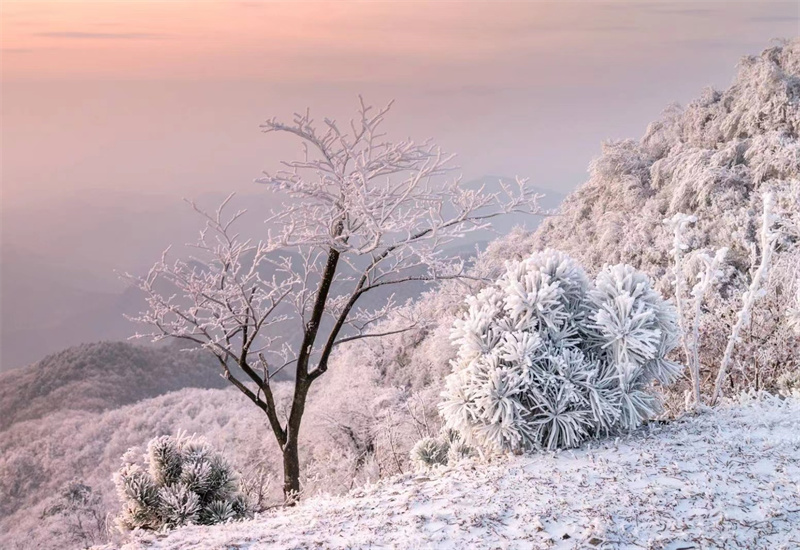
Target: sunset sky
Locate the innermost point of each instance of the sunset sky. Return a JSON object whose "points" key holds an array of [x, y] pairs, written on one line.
{"points": [[112, 111], [166, 96], [368, 42]]}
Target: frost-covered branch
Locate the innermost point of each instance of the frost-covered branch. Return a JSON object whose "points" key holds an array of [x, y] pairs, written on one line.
{"points": [[679, 223], [387, 194], [706, 277], [769, 240]]}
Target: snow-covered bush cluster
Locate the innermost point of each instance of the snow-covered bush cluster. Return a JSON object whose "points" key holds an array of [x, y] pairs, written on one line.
{"points": [[547, 358], [183, 481]]}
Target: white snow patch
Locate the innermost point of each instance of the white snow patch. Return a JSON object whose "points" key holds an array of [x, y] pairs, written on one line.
{"points": [[724, 479]]}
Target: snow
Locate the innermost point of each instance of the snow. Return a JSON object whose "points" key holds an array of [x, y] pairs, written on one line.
{"points": [[726, 478]]}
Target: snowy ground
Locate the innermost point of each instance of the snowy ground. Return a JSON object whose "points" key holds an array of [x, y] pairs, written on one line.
{"points": [[727, 479]]}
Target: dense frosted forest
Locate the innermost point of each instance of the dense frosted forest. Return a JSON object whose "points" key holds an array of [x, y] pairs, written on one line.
{"points": [[703, 209]]}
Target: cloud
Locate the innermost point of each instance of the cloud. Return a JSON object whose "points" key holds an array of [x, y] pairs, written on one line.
{"points": [[787, 18], [669, 8], [82, 35], [609, 28], [18, 50], [739, 44]]}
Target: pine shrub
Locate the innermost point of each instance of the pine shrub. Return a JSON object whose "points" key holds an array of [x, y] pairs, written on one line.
{"points": [[547, 358], [446, 448], [183, 480]]}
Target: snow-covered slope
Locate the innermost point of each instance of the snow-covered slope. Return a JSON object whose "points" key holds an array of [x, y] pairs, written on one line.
{"points": [[724, 479]]}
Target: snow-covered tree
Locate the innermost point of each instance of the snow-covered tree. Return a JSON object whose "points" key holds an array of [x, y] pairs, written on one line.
{"points": [[361, 215], [793, 314], [183, 481], [547, 358], [79, 510], [706, 276]]}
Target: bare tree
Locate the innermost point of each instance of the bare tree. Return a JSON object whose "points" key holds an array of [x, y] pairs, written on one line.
{"points": [[360, 214]]}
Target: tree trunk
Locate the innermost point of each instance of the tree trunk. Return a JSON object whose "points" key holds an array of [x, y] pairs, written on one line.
{"points": [[291, 456], [291, 470]]}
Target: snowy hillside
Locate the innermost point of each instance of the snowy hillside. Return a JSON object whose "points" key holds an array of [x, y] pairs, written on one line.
{"points": [[727, 479], [714, 159]]}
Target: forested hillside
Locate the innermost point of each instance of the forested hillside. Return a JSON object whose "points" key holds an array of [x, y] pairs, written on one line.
{"points": [[98, 377]]}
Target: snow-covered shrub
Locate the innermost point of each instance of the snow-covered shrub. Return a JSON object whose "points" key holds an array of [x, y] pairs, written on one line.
{"points": [[446, 448], [789, 383], [429, 452], [547, 358], [459, 451], [183, 481]]}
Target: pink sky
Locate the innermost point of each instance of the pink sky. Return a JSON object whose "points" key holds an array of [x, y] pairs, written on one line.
{"points": [[307, 42], [112, 111]]}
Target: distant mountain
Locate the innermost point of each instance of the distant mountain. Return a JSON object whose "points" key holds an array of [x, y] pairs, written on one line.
{"points": [[101, 376], [50, 303], [59, 261], [73, 316]]}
